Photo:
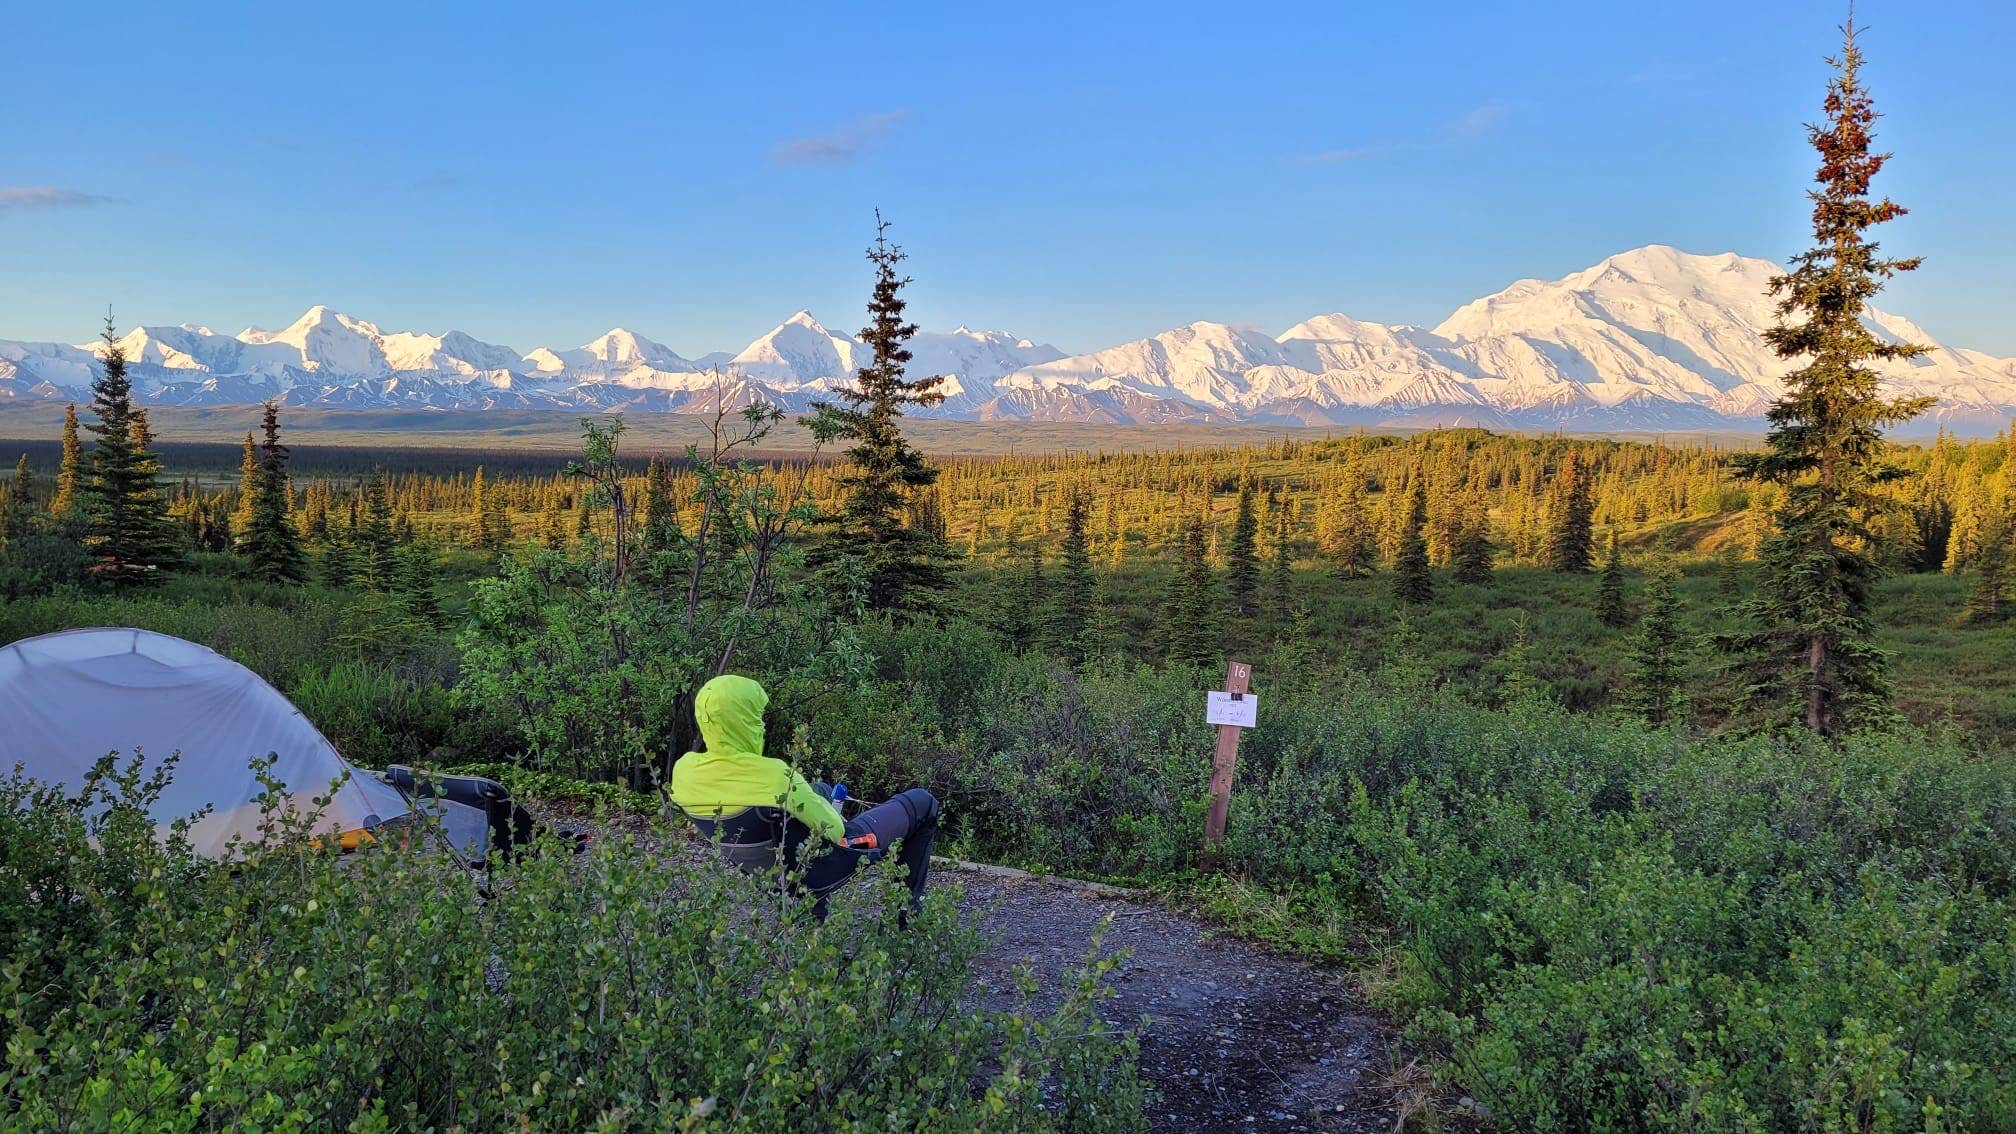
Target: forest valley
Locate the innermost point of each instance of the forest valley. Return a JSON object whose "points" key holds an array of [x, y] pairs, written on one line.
{"points": [[1646, 786]]}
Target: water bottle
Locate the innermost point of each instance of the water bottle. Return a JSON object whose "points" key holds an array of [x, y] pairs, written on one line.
{"points": [[839, 794]]}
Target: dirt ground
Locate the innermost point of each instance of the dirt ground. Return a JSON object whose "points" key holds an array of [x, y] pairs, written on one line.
{"points": [[1233, 1038]]}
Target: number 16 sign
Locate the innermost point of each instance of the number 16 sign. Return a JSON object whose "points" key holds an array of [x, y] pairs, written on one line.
{"points": [[1231, 710]]}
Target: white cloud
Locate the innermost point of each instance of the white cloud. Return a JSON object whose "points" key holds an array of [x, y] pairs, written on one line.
{"points": [[25, 197], [837, 147]]}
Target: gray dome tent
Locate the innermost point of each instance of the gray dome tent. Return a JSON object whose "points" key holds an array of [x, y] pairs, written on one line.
{"points": [[67, 699]]}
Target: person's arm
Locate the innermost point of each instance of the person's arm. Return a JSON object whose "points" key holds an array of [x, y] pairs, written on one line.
{"points": [[814, 810]]}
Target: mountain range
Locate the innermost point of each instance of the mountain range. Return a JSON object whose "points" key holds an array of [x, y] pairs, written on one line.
{"points": [[1653, 338]]}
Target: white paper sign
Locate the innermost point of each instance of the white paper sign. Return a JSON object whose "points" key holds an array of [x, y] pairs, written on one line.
{"points": [[1221, 709]]}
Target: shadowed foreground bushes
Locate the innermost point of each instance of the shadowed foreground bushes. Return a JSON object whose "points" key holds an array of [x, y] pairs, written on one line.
{"points": [[393, 990], [1603, 925]]}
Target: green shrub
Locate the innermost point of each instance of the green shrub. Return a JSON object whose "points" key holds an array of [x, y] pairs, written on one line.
{"points": [[392, 990]]}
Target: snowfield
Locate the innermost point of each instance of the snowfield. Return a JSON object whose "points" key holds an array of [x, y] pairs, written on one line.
{"points": [[1653, 338]]}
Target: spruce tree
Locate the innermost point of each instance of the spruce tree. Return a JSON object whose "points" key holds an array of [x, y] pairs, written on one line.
{"points": [[266, 537], [18, 518], [1190, 627], [1809, 653], [896, 567], [417, 569], [1475, 555], [1988, 601], [1411, 580], [248, 485], [1659, 656], [1570, 539], [482, 518], [661, 509], [1611, 606], [126, 520], [1354, 551], [1077, 584], [1242, 560], [377, 546], [70, 472], [1281, 568]]}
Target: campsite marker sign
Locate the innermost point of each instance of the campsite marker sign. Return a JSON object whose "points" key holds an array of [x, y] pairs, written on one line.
{"points": [[1232, 710]]}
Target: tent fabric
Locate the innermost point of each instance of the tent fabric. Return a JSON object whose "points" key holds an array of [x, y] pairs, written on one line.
{"points": [[67, 699]]}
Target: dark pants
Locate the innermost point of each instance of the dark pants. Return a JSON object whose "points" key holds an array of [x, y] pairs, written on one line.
{"points": [[906, 824]]}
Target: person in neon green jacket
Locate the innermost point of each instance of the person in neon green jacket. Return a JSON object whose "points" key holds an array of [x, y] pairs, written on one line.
{"points": [[733, 794]]}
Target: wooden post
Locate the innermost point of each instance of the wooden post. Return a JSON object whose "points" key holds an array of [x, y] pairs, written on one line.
{"points": [[1237, 676]]}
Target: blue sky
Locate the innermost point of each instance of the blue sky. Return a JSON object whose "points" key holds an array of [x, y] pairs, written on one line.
{"points": [[1080, 173]]}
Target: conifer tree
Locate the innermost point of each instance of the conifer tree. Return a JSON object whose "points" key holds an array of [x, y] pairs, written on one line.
{"points": [[1354, 549], [898, 567], [1809, 653], [1475, 556], [339, 558], [483, 532], [1411, 580], [1570, 519], [1611, 606], [661, 509], [377, 546], [248, 485], [418, 567], [1988, 601], [1242, 561], [1017, 612], [18, 518], [1659, 656], [1190, 627], [1281, 569], [69, 473], [126, 519], [266, 537], [1077, 584]]}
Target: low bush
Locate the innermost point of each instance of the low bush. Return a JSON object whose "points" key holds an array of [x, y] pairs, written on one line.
{"points": [[1602, 925], [392, 990]]}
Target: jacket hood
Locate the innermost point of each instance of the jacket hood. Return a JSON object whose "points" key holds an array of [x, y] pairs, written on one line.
{"points": [[729, 711]]}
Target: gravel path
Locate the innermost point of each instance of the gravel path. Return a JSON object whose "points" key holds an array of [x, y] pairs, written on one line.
{"points": [[1233, 1038]]}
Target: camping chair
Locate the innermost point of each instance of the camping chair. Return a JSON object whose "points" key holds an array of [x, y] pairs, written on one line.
{"points": [[509, 825], [757, 840]]}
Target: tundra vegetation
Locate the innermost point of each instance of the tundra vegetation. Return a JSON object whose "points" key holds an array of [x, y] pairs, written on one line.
{"points": [[1651, 786]]}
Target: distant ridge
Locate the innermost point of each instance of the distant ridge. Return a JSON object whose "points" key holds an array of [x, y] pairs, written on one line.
{"points": [[1650, 339]]}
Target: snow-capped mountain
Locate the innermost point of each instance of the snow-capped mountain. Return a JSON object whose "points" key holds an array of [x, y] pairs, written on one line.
{"points": [[1654, 338]]}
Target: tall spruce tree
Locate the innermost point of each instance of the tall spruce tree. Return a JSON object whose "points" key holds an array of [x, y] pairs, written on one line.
{"points": [[661, 509], [1242, 557], [1657, 684], [266, 538], [126, 526], [1077, 584], [1808, 655], [1611, 607], [1411, 580], [1190, 616], [18, 518], [1353, 545], [898, 567], [1570, 540], [70, 471], [248, 484]]}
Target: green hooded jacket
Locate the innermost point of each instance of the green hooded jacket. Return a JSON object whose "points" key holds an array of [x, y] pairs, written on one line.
{"points": [[732, 773]]}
